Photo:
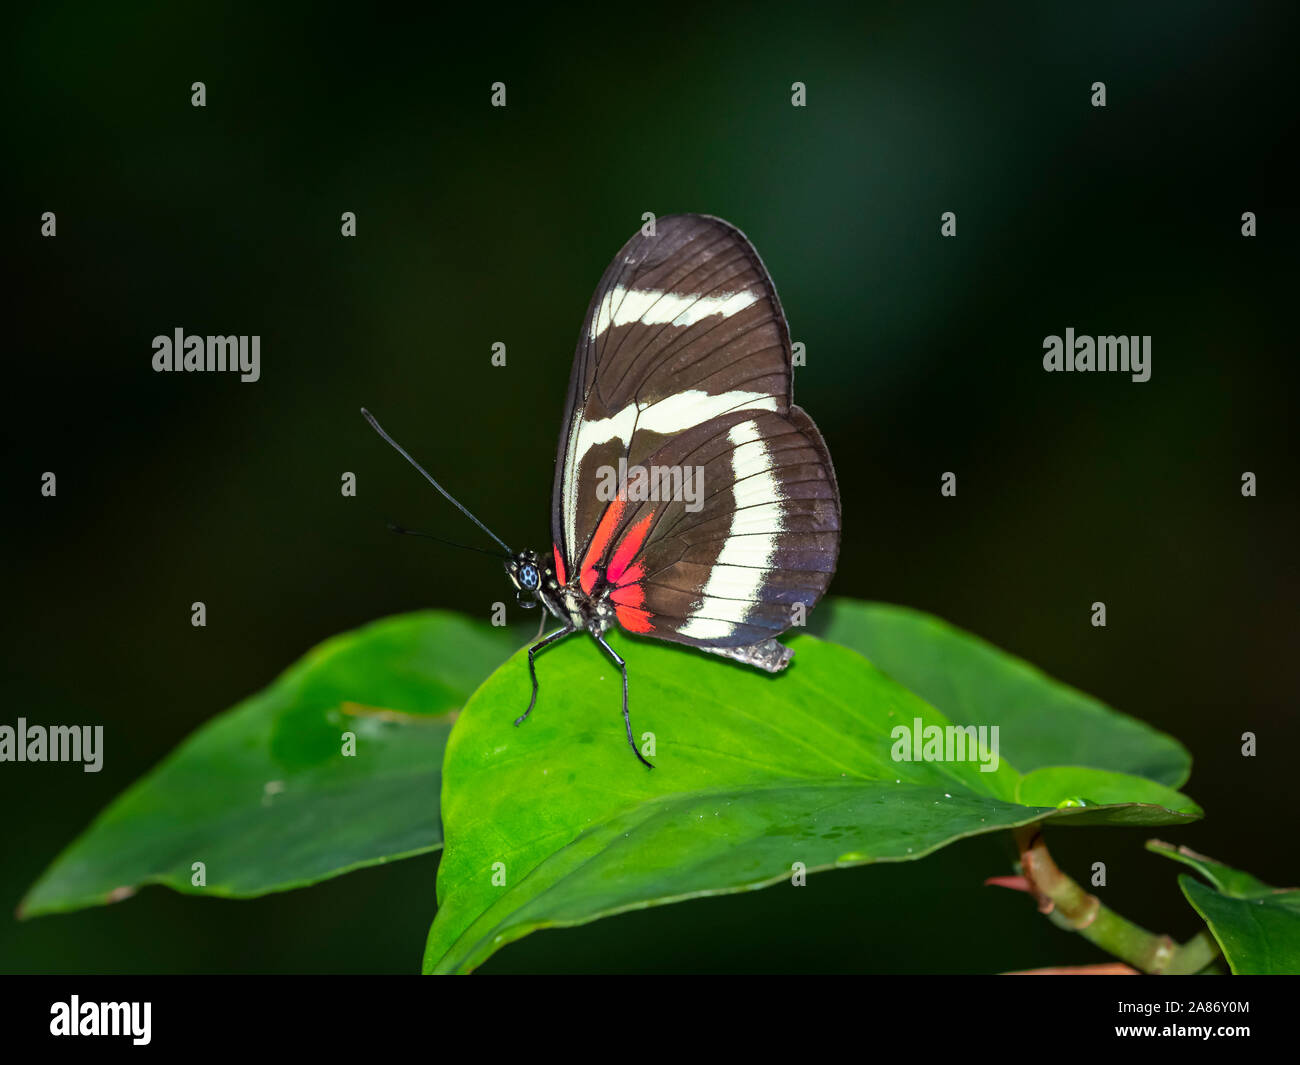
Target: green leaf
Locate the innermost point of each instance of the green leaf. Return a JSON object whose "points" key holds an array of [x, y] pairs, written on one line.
{"points": [[1258, 936], [1225, 879], [263, 794], [1043, 722], [1257, 926], [555, 823], [1081, 789]]}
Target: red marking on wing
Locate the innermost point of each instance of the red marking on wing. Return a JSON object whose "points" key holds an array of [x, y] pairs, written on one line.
{"points": [[632, 619], [628, 595], [559, 565], [627, 549], [632, 574], [600, 543]]}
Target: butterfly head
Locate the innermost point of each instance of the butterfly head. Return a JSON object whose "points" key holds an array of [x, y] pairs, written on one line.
{"points": [[525, 573]]}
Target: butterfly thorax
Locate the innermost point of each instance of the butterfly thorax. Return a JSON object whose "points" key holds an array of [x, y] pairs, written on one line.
{"points": [[569, 603]]}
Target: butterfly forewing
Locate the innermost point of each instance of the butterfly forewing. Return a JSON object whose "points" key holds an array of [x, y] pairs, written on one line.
{"points": [[684, 364]]}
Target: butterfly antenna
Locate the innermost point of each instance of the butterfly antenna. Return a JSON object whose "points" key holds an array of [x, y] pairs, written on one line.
{"points": [[446, 495], [393, 527]]}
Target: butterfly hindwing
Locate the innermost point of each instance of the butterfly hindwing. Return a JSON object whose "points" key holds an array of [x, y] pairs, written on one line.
{"points": [[729, 567]]}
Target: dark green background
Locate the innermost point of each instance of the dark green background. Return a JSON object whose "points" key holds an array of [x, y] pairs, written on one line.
{"points": [[478, 225]]}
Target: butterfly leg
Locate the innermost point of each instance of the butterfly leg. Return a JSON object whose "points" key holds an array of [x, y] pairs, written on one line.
{"points": [[627, 718], [540, 645]]}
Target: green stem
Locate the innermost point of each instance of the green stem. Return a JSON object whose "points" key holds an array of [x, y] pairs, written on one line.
{"points": [[1071, 907], [1199, 952]]}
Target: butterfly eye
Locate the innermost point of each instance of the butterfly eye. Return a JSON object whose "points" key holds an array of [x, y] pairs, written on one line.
{"points": [[529, 577]]}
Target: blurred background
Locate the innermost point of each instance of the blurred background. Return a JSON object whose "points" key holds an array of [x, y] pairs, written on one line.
{"points": [[478, 225]]}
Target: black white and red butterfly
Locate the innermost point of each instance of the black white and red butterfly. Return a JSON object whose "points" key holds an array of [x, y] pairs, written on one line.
{"points": [[684, 360]]}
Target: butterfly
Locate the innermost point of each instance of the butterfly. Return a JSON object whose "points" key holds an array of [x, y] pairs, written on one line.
{"points": [[693, 501]]}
